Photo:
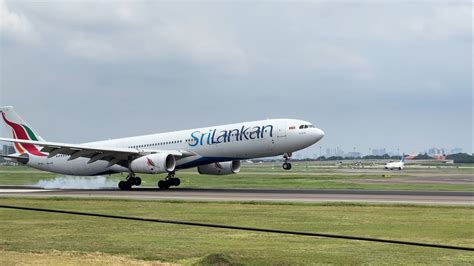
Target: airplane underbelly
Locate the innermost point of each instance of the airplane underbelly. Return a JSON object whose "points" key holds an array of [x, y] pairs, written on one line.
{"points": [[78, 167]]}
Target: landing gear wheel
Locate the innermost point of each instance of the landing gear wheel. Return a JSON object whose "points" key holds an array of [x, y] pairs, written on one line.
{"points": [[137, 181], [164, 184], [124, 185], [287, 157], [175, 181], [121, 185]]}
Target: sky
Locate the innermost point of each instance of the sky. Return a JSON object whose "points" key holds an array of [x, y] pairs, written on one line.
{"points": [[392, 74]]}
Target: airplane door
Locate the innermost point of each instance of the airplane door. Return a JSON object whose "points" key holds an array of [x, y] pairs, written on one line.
{"points": [[281, 129]]}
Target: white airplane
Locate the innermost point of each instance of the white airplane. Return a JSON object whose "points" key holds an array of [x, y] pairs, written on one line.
{"points": [[396, 165], [213, 150]]}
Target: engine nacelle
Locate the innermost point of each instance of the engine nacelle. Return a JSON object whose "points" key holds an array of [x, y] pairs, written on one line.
{"points": [[224, 168], [154, 163]]}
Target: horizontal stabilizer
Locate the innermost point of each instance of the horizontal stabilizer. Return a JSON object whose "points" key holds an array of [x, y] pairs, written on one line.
{"points": [[10, 156], [23, 159]]}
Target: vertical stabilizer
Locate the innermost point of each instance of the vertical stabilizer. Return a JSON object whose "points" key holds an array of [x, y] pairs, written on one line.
{"points": [[21, 130]]}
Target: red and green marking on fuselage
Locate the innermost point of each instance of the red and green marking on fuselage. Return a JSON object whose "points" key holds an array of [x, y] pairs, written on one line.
{"points": [[23, 132]]}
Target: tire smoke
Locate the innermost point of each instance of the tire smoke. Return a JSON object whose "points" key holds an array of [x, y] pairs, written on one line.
{"points": [[77, 182]]}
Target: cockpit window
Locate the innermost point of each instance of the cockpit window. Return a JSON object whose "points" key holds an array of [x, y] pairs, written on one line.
{"points": [[306, 126]]}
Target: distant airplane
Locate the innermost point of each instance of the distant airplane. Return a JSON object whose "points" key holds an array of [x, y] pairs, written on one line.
{"points": [[396, 165], [213, 150]]}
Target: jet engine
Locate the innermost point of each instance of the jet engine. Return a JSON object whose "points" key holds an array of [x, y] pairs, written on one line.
{"points": [[154, 163], [224, 168]]}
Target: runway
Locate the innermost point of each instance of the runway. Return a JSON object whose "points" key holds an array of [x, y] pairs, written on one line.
{"points": [[281, 195]]}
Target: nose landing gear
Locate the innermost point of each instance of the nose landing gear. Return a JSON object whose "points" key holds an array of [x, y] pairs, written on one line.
{"points": [[287, 165], [169, 181]]}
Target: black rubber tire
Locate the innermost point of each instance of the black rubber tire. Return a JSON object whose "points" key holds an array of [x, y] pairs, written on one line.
{"points": [[176, 181], [289, 166], [286, 166], [137, 181], [125, 185], [164, 184], [121, 185], [161, 183]]}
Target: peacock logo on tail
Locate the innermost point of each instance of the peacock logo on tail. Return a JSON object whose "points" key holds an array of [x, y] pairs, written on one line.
{"points": [[23, 132]]}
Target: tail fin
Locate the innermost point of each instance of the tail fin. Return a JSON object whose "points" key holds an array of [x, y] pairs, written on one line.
{"points": [[20, 129], [403, 158]]}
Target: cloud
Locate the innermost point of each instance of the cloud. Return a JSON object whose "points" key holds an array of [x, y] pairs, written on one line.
{"points": [[333, 61], [159, 66], [14, 25], [120, 32]]}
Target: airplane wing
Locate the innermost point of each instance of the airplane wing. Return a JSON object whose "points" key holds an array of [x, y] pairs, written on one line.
{"points": [[94, 153]]}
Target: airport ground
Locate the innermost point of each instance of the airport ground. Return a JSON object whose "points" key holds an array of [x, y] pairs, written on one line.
{"points": [[312, 175], [29, 237], [55, 234]]}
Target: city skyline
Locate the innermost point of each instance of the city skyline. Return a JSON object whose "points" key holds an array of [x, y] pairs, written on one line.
{"points": [[337, 151]]}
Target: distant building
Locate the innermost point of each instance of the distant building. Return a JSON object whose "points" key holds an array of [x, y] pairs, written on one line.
{"points": [[334, 152], [8, 149], [379, 152], [353, 154], [436, 152], [339, 152]]}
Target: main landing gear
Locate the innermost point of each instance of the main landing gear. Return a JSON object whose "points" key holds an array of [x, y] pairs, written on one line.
{"points": [[169, 181], [287, 165], [131, 180]]}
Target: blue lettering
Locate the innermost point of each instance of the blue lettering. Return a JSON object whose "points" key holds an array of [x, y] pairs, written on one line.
{"points": [[209, 137], [202, 138], [196, 139], [214, 141], [255, 134], [222, 137], [263, 130], [243, 133], [235, 132]]}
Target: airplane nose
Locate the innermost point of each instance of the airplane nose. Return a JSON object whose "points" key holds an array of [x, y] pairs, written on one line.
{"points": [[318, 134]]}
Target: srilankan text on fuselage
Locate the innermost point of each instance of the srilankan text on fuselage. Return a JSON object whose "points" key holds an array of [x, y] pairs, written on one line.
{"points": [[213, 136]]}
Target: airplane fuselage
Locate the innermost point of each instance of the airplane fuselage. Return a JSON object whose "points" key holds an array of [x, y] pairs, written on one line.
{"points": [[208, 145], [395, 165]]}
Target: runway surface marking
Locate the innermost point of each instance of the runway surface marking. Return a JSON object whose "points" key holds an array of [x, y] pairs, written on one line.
{"points": [[283, 195], [29, 190]]}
